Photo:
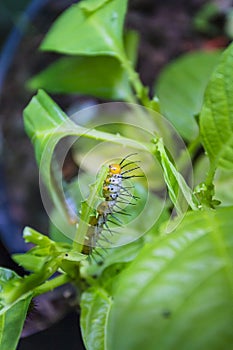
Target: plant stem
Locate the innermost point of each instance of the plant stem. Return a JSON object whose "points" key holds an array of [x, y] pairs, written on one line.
{"points": [[52, 284], [210, 176], [87, 210], [140, 89]]}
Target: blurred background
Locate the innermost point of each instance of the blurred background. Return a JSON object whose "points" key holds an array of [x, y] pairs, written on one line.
{"points": [[167, 29]]}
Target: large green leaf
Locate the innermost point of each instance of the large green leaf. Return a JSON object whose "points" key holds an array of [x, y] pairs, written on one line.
{"points": [[180, 88], [99, 76], [42, 118], [95, 305], [95, 76], [12, 317], [46, 124], [177, 294], [89, 28], [216, 119]]}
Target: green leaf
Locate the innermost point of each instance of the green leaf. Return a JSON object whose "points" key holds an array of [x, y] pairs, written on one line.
{"points": [[16, 290], [95, 306], [177, 294], [123, 254], [91, 6], [42, 118], [44, 259], [29, 261], [84, 75], [11, 323], [205, 196], [115, 256], [11, 317], [6, 277], [180, 193], [216, 119], [33, 236], [45, 247], [46, 124], [74, 256], [89, 28], [180, 88]]}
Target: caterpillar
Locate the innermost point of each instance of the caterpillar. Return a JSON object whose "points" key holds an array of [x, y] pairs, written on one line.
{"points": [[114, 193]]}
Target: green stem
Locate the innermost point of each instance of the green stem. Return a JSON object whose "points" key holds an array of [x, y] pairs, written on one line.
{"points": [[52, 284], [140, 89], [87, 210], [33, 281], [210, 176]]}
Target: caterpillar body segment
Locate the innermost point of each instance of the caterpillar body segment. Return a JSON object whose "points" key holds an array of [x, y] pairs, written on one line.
{"points": [[114, 193]]}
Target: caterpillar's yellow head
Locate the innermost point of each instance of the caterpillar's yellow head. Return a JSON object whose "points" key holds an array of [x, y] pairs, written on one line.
{"points": [[114, 169]]}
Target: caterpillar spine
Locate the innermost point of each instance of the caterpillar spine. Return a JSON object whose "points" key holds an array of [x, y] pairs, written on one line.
{"points": [[112, 191]]}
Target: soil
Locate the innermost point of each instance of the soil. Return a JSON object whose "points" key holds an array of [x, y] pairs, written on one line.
{"points": [[166, 31]]}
